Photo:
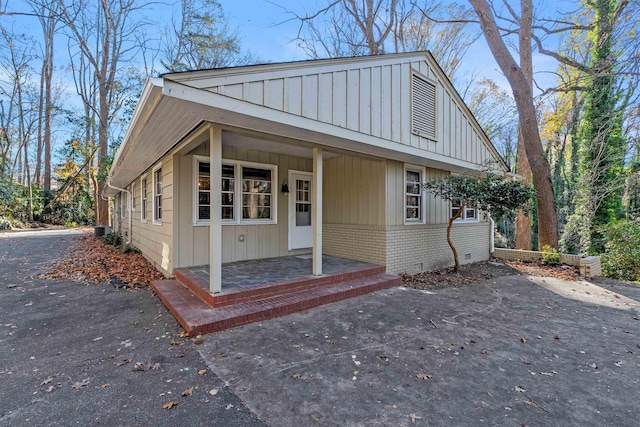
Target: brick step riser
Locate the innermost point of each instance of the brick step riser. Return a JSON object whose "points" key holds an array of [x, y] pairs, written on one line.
{"points": [[269, 290], [274, 312]]}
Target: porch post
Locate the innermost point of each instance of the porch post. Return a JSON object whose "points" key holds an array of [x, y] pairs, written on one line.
{"points": [[316, 212], [215, 210]]}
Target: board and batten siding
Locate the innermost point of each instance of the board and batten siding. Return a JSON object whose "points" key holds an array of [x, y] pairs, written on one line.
{"points": [[436, 210], [155, 240], [260, 240], [353, 191], [371, 97]]}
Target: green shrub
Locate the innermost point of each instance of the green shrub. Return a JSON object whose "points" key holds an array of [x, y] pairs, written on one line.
{"points": [[114, 239], [129, 248], [550, 256], [621, 259]]}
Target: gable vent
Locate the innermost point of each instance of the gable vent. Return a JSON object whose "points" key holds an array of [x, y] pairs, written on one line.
{"points": [[423, 120]]}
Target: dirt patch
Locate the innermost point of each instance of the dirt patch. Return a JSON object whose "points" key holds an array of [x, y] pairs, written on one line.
{"points": [[93, 261], [484, 270]]}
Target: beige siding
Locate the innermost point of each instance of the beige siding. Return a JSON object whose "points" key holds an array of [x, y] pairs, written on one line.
{"points": [[260, 240], [371, 97], [155, 240], [353, 191], [436, 210]]}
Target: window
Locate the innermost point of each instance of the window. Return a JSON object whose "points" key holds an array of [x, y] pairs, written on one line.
{"points": [[246, 191], [157, 195], [423, 107], [143, 199], [413, 206], [133, 196], [470, 214]]}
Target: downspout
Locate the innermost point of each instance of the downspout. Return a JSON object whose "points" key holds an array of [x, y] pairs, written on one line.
{"points": [[492, 236], [130, 197]]}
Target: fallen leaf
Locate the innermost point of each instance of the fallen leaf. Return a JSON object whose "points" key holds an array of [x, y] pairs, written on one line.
{"points": [[170, 405], [78, 385], [424, 376], [184, 334], [123, 362], [616, 296], [47, 380], [202, 371], [105, 385], [213, 392], [522, 340], [414, 417], [187, 392], [49, 389], [229, 406], [520, 389], [175, 342], [296, 376]]}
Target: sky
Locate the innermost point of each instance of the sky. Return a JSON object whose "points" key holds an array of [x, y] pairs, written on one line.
{"points": [[265, 29]]}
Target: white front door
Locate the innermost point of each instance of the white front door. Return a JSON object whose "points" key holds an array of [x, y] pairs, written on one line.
{"points": [[300, 235]]}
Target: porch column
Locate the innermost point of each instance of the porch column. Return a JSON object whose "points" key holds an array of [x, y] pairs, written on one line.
{"points": [[215, 210], [316, 212]]}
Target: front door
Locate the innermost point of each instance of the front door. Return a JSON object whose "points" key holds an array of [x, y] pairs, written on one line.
{"points": [[300, 235]]}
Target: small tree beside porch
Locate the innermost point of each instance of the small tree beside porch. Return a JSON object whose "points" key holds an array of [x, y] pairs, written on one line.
{"points": [[491, 193]]}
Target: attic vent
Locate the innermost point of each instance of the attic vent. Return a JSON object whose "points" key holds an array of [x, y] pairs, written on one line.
{"points": [[423, 120]]}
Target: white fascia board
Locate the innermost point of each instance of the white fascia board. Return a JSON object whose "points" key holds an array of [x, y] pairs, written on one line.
{"points": [[233, 75], [145, 99]]}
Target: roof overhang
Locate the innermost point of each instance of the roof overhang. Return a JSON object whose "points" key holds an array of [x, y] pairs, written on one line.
{"points": [[168, 111]]}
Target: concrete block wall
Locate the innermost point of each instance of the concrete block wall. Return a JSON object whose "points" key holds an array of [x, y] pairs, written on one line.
{"points": [[589, 266], [530, 256]]}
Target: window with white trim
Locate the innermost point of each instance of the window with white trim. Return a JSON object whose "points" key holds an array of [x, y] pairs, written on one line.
{"points": [[246, 191], [423, 107], [157, 195], [143, 199], [413, 195], [133, 197], [470, 214]]}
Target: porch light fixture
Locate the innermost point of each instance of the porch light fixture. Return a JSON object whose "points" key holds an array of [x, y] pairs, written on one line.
{"points": [[285, 187]]}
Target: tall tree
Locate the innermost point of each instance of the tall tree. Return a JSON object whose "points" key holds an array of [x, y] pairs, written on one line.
{"points": [[104, 37], [522, 93], [203, 39]]}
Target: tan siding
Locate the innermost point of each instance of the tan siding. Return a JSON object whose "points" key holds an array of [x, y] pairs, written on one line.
{"points": [[260, 241], [353, 191], [155, 240]]}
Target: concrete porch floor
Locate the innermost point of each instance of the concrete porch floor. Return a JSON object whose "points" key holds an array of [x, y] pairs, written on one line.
{"points": [[242, 274]]}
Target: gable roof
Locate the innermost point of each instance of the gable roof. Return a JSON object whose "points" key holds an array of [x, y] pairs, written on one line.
{"points": [[361, 104]]}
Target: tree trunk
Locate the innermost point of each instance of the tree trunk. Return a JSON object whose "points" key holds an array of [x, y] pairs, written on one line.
{"points": [[523, 221], [456, 262], [547, 215]]}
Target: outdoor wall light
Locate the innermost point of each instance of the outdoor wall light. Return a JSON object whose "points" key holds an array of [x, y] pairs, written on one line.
{"points": [[285, 187]]}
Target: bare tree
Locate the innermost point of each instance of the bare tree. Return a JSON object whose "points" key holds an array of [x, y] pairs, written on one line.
{"points": [[104, 38]]}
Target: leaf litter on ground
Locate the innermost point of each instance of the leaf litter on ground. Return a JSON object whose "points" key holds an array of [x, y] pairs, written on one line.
{"points": [[93, 261]]}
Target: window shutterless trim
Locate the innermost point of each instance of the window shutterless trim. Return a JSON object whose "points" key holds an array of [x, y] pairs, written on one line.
{"points": [[157, 195], [144, 200], [237, 192], [422, 202]]}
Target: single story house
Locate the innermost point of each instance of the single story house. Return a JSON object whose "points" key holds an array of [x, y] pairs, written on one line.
{"points": [[310, 157]]}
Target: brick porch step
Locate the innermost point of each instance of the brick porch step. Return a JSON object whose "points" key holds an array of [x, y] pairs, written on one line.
{"points": [[200, 287], [198, 317]]}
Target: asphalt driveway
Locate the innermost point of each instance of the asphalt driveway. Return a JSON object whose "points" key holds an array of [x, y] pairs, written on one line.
{"points": [[74, 354], [508, 351]]}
